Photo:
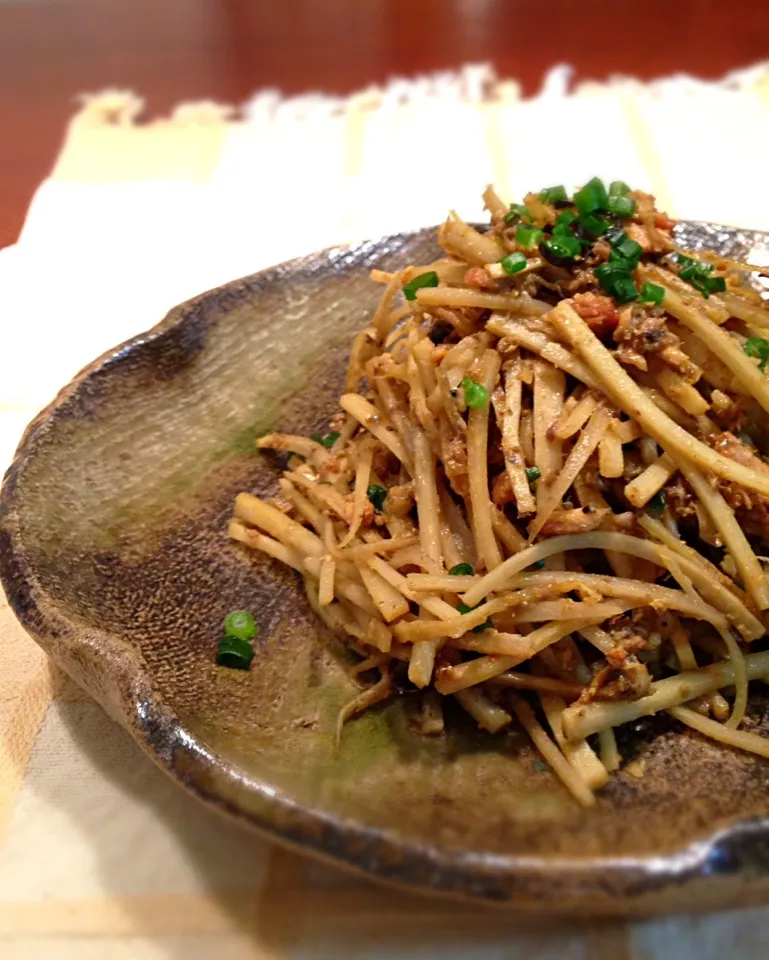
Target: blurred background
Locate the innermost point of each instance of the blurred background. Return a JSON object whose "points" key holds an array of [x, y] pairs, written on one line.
{"points": [[179, 50]]}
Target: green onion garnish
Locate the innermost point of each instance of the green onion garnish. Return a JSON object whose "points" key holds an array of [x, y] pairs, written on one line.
{"points": [[618, 188], [462, 570], [528, 236], [566, 218], [516, 212], [514, 263], [583, 235], [621, 206], [595, 226], [235, 653], [562, 246], [656, 505], [328, 441], [377, 495], [591, 197], [757, 347], [652, 293], [694, 270], [533, 474], [553, 194], [626, 249], [701, 284], [540, 766], [429, 279], [240, 624], [476, 395], [486, 625], [715, 284], [625, 289], [616, 280], [698, 275], [539, 565]]}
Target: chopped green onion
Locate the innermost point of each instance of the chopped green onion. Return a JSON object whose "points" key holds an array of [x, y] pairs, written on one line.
{"points": [[616, 280], [626, 248], [328, 441], [585, 239], [605, 274], [235, 653], [540, 766], [516, 212], [698, 275], [629, 255], [240, 624], [708, 285], [759, 348], [695, 271], [562, 247], [562, 230], [629, 265], [553, 194], [462, 570], [683, 261], [591, 197], [652, 293], [533, 474], [486, 625], [595, 226], [618, 188], [625, 289], [476, 395], [539, 565], [621, 206], [566, 218], [429, 279], [377, 495], [528, 236], [514, 263], [656, 506]]}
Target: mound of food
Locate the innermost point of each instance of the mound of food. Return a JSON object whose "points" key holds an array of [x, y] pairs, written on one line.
{"points": [[546, 493]]}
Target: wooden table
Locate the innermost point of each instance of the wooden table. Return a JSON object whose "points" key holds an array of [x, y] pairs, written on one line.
{"points": [[174, 50]]}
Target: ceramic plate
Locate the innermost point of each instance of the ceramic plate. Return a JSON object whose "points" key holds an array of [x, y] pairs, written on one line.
{"points": [[114, 556]]}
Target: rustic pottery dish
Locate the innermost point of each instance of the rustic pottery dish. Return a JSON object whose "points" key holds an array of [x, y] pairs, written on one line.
{"points": [[114, 557]]}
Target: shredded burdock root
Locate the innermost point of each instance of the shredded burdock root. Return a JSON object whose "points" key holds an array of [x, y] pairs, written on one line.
{"points": [[546, 495]]}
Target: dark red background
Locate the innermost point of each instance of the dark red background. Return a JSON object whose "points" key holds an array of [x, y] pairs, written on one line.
{"points": [[172, 50]]}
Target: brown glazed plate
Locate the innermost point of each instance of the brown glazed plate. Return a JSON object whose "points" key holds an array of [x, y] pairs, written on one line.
{"points": [[114, 557]]}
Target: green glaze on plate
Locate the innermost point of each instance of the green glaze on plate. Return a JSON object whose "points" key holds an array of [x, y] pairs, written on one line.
{"points": [[114, 556]]}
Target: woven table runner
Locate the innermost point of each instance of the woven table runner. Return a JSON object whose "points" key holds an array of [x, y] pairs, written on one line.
{"points": [[100, 855]]}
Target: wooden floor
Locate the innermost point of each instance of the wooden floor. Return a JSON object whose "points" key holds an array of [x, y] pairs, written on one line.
{"points": [[172, 50]]}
